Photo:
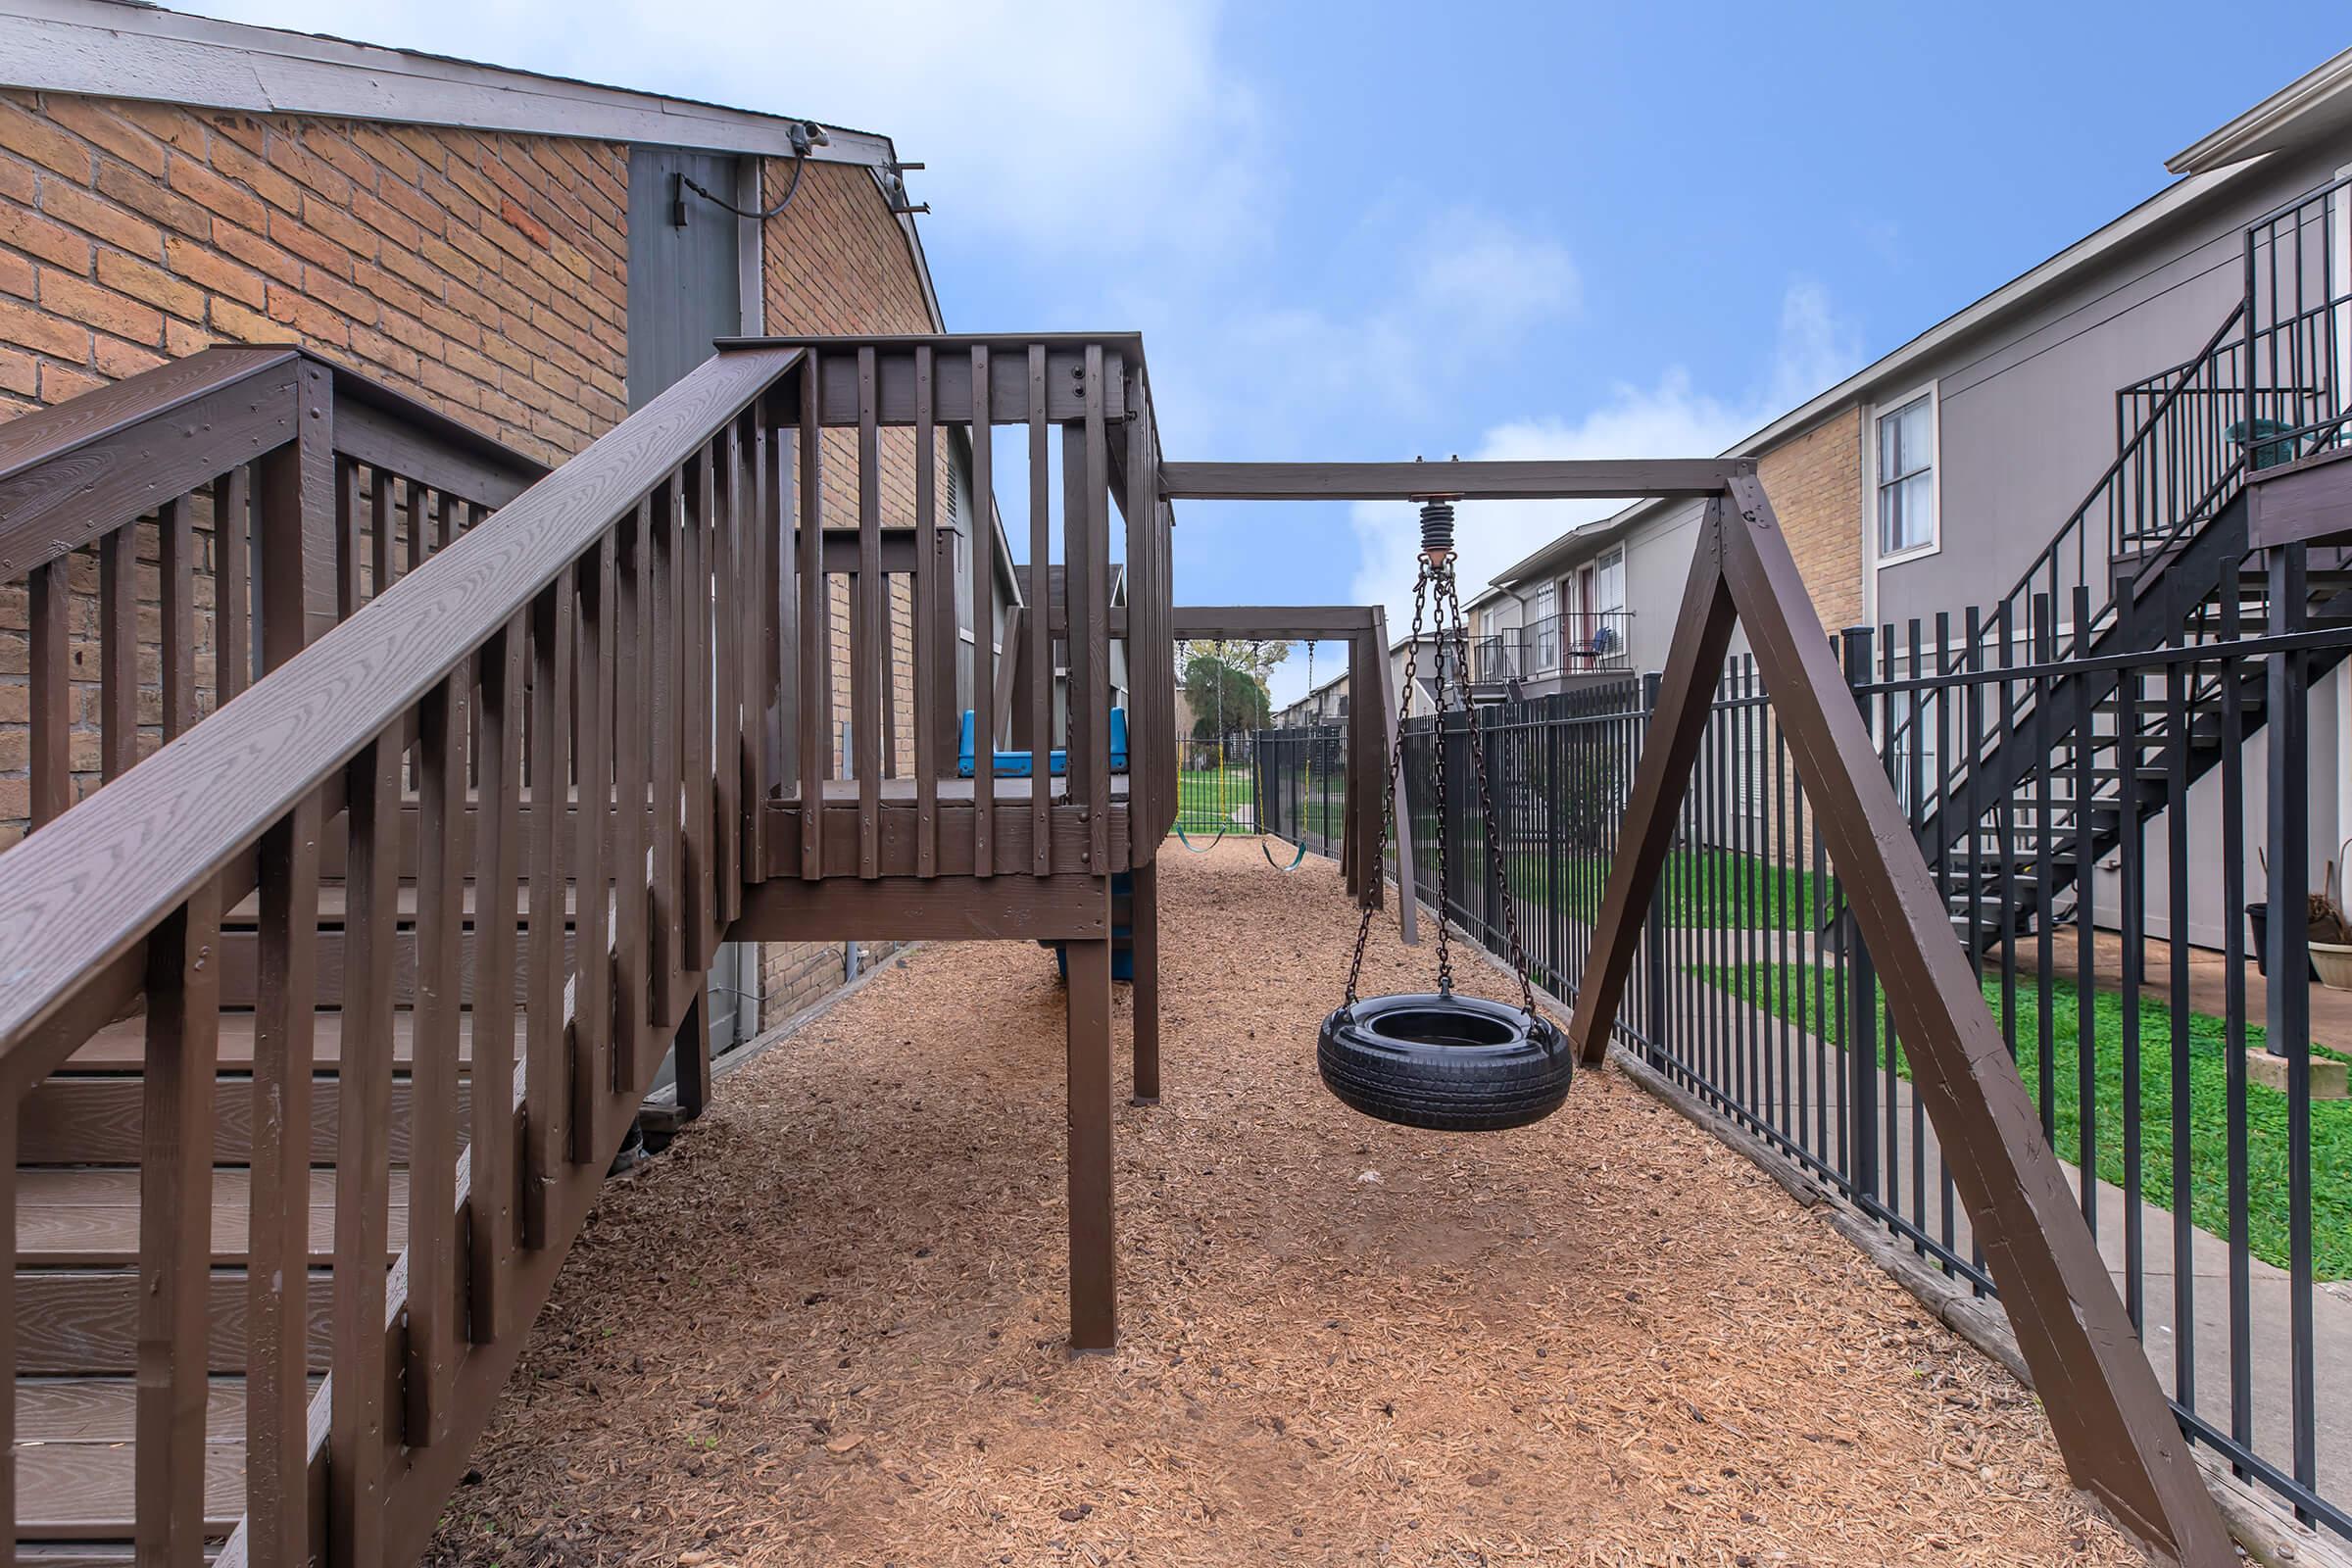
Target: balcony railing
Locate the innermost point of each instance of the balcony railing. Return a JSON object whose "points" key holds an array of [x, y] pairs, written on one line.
{"points": [[1575, 642]]}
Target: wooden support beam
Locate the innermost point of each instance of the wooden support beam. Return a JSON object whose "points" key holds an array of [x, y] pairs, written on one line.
{"points": [[1551, 480], [1310, 622], [1143, 924], [2119, 1436], [1093, 1266], [947, 909]]}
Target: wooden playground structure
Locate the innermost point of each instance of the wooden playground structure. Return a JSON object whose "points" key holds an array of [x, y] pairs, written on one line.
{"points": [[484, 818]]}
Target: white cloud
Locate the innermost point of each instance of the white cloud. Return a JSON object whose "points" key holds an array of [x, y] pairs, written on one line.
{"points": [[1052, 124], [1672, 418]]}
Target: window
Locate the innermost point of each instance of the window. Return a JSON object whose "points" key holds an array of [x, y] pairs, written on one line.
{"points": [[1609, 583], [1906, 478], [1543, 647]]}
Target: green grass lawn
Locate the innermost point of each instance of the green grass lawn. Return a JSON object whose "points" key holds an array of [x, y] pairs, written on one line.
{"points": [[1790, 995], [1206, 797], [1705, 888]]}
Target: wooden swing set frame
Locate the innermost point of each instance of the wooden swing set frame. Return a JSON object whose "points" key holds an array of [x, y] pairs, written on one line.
{"points": [[2114, 1427]]}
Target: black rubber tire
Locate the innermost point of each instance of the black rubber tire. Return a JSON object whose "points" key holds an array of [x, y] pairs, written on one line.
{"points": [[1445, 1063]]}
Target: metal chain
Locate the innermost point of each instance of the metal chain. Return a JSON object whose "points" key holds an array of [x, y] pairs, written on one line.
{"points": [[1392, 784], [1449, 594]]}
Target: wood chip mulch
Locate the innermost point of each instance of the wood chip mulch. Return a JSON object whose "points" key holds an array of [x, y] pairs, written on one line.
{"points": [[827, 1327]]}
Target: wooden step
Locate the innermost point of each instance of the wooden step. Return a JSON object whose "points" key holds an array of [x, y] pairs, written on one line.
{"points": [[76, 1457], [84, 1491], [122, 1046], [77, 1321], [96, 1121], [89, 1218]]}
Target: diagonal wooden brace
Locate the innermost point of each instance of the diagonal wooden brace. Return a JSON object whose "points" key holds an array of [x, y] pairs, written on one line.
{"points": [[2113, 1424]]}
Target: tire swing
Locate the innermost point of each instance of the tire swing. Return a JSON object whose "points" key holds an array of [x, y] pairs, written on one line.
{"points": [[1305, 788], [1438, 1060]]}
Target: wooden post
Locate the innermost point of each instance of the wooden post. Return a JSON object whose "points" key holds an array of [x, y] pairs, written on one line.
{"points": [[2119, 1436], [1093, 1303], [1142, 921], [297, 527], [694, 1056]]}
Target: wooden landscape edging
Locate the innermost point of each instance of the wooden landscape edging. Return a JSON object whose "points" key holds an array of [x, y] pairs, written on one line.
{"points": [[2113, 1424]]}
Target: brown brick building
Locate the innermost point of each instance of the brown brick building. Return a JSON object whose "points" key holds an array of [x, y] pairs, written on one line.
{"points": [[522, 254]]}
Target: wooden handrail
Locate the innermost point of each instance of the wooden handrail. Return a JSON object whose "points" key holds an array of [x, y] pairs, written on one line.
{"points": [[80, 898]]}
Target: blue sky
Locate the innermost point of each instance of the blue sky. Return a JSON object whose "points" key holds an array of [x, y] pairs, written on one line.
{"points": [[1392, 229]]}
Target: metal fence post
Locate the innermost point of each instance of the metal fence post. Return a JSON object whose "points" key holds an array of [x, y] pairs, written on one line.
{"points": [[1862, 987], [1653, 972]]}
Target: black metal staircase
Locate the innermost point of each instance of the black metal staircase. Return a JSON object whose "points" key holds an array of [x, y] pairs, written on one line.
{"points": [[2156, 557]]}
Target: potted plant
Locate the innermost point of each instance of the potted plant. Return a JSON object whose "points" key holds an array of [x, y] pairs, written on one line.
{"points": [[2329, 936]]}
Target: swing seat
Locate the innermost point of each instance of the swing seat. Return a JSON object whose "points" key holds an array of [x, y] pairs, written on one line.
{"points": [[1020, 765], [1447, 1063]]}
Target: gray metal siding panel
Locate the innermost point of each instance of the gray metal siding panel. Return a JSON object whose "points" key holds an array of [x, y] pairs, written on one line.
{"points": [[685, 284]]}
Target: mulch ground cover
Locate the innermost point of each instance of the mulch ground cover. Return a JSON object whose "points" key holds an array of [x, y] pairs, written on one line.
{"points": [[827, 1327]]}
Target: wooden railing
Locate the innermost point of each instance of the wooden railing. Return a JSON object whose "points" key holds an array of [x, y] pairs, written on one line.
{"points": [[591, 646], [617, 683], [298, 489], [855, 807]]}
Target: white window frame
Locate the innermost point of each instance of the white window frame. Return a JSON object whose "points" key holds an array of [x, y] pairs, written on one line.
{"points": [[1880, 410]]}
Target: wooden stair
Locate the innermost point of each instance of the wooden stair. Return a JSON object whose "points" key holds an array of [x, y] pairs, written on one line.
{"points": [[77, 1248]]}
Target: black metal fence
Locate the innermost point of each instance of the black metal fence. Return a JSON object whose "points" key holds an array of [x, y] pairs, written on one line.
{"points": [[2100, 828], [1298, 790]]}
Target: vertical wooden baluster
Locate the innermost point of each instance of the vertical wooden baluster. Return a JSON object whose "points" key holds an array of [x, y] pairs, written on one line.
{"points": [[815, 701], [445, 518], [592, 1103], [118, 652], [984, 622], [499, 831], [379, 513], [868, 606], [175, 559], [668, 770], [632, 622], [413, 502], [546, 1080], [729, 520], [694, 619], [8, 1333], [285, 550], [1090, 637], [350, 549], [1144, 737], [233, 582], [356, 1437], [440, 766], [764, 634], [1041, 623], [886, 660], [277, 1489], [175, 1227], [52, 694], [928, 595]]}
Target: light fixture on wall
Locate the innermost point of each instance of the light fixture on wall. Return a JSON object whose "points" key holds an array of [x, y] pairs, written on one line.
{"points": [[894, 189], [805, 137]]}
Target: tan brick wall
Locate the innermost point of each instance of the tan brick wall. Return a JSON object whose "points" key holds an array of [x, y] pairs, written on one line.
{"points": [[484, 274], [1815, 483]]}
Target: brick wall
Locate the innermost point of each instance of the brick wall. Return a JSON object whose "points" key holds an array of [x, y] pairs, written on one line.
{"points": [[1815, 483], [484, 274]]}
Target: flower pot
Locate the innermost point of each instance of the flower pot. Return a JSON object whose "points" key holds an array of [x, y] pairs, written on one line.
{"points": [[2332, 963], [2258, 917]]}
